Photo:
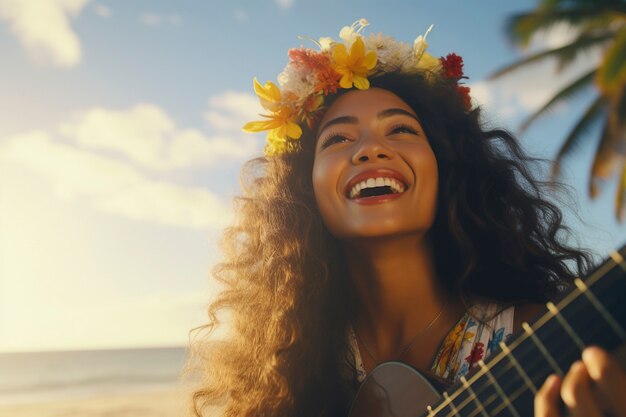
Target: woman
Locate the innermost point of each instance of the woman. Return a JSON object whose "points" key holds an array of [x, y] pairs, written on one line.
{"points": [[382, 220]]}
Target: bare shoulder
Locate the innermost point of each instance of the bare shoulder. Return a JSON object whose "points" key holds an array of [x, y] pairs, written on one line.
{"points": [[527, 312]]}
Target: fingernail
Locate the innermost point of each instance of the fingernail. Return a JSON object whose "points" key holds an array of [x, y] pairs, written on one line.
{"points": [[592, 357], [590, 353], [551, 381]]}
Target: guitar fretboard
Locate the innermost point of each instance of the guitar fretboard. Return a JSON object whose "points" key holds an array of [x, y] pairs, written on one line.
{"points": [[594, 313]]}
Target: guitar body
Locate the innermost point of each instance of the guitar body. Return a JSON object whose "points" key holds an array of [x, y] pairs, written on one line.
{"points": [[593, 313], [393, 389]]}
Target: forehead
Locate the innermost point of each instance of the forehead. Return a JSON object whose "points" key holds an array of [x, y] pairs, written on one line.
{"points": [[364, 103]]}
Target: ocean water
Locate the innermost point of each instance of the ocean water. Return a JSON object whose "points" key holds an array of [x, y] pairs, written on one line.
{"points": [[46, 376]]}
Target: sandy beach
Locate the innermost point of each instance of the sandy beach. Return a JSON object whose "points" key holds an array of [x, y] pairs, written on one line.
{"points": [[170, 403]]}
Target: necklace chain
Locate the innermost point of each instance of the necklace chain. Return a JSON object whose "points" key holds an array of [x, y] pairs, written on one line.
{"points": [[406, 349]]}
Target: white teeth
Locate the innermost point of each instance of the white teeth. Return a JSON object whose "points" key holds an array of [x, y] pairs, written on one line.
{"points": [[396, 186]]}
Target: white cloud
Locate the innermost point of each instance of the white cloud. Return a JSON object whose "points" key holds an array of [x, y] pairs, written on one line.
{"points": [[147, 135], [110, 158], [43, 28], [231, 110], [517, 94], [102, 10], [557, 35], [284, 4], [115, 186]]}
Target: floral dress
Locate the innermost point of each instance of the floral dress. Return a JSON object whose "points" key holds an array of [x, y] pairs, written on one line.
{"points": [[474, 337]]}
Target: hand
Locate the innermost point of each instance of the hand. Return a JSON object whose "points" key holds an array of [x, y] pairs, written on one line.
{"points": [[592, 386]]}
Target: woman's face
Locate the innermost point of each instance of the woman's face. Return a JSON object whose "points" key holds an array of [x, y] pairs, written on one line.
{"points": [[374, 173]]}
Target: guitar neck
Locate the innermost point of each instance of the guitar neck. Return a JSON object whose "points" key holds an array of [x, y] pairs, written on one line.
{"points": [[593, 313]]}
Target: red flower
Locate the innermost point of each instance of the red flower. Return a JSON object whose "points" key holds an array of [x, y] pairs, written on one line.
{"points": [[465, 95], [452, 65], [476, 354]]}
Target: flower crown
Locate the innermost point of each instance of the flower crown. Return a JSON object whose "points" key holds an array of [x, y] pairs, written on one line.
{"points": [[311, 75]]}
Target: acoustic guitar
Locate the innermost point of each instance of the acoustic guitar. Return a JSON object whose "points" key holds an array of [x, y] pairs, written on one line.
{"points": [[593, 313]]}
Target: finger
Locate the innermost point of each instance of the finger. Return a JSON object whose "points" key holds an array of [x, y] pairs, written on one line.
{"points": [[576, 392], [609, 378], [547, 398]]}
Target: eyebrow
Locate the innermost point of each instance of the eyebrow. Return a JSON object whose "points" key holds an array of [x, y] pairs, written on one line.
{"points": [[393, 112], [382, 115]]}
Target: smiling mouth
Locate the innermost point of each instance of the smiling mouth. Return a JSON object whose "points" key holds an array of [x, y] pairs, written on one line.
{"points": [[373, 187]]}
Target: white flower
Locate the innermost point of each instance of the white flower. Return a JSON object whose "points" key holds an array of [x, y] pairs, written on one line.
{"points": [[325, 44], [298, 81], [390, 52], [349, 33], [420, 45]]}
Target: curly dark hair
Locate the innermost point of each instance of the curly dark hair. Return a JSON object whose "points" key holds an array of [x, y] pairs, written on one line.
{"points": [[287, 295]]}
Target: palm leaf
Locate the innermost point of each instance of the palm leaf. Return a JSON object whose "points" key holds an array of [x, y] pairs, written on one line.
{"points": [[620, 199], [521, 27], [564, 53], [612, 70], [572, 141], [563, 95], [577, 3], [607, 157], [588, 39]]}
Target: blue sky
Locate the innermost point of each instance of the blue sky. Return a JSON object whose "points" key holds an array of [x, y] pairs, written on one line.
{"points": [[120, 146]]}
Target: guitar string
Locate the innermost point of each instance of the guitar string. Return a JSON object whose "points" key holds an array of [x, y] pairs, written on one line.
{"points": [[506, 402], [547, 317], [593, 278], [503, 406], [484, 404], [520, 391]]}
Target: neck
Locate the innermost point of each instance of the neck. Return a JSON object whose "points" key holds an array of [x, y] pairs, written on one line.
{"points": [[398, 288]]}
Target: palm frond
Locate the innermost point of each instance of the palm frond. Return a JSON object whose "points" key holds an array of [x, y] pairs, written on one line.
{"points": [[572, 141], [588, 38], [578, 3], [562, 54], [521, 27], [607, 157], [565, 94], [612, 69]]}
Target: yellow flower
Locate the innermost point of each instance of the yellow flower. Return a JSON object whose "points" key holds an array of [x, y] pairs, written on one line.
{"points": [[281, 120], [275, 145], [269, 95], [430, 66], [354, 66], [280, 124]]}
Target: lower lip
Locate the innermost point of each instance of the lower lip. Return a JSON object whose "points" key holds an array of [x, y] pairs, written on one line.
{"points": [[376, 199]]}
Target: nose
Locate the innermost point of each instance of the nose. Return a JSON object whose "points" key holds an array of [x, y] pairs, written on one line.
{"points": [[371, 148]]}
